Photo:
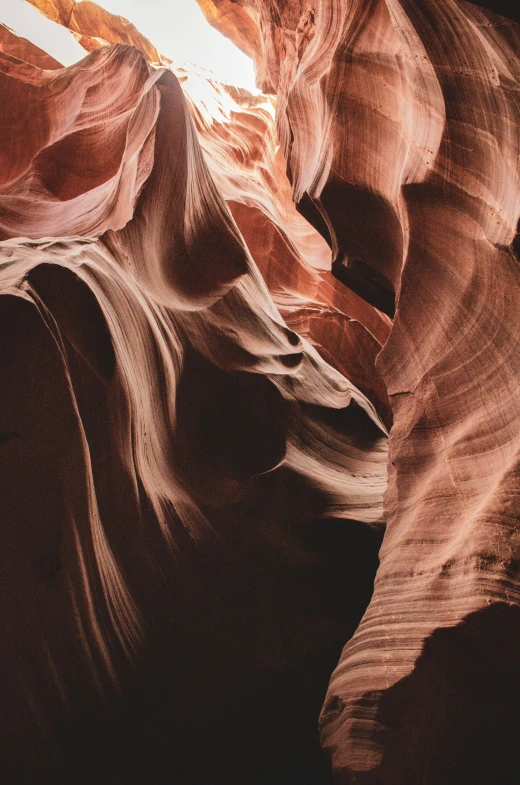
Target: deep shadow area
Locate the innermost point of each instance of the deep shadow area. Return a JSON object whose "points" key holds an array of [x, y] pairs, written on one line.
{"points": [[241, 631], [261, 615], [368, 236], [516, 242], [241, 641], [455, 718], [502, 7]]}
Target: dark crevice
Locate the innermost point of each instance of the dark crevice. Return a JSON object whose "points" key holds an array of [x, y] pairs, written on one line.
{"points": [[363, 281]]}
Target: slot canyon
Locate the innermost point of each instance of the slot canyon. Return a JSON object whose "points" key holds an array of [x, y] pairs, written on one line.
{"points": [[260, 398]]}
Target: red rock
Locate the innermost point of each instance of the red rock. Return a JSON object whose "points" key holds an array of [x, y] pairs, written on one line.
{"points": [[59, 11], [183, 352], [396, 118], [169, 390], [53, 182], [17, 46]]}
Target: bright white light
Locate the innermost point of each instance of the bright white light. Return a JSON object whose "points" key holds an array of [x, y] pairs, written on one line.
{"points": [[28, 22], [179, 30]]}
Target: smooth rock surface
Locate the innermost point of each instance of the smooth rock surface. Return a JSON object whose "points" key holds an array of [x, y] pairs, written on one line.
{"points": [[399, 121], [214, 308], [190, 461]]}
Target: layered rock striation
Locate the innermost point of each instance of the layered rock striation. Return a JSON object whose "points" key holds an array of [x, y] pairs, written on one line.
{"points": [[399, 121], [215, 307], [182, 441]]}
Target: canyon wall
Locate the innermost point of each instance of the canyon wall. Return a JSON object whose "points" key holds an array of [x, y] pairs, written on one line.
{"points": [[399, 123], [216, 308], [190, 462]]}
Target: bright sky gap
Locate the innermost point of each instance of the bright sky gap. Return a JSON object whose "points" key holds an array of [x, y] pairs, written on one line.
{"points": [[177, 28]]}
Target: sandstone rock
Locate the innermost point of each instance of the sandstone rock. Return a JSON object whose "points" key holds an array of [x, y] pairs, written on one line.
{"points": [[19, 47], [395, 119], [214, 309], [58, 10], [169, 392]]}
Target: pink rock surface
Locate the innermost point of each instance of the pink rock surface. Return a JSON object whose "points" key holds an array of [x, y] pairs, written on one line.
{"points": [[214, 308], [193, 445], [399, 120]]}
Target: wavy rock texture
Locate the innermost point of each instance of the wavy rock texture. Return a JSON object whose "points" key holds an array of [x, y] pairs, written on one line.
{"points": [[190, 404], [399, 121], [186, 360]]}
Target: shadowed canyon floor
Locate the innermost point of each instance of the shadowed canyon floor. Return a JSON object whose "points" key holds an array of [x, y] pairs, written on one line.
{"points": [[259, 423]]}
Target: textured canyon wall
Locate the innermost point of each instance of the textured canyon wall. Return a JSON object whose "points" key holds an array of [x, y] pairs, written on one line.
{"points": [[190, 461], [197, 388], [399, 122]]}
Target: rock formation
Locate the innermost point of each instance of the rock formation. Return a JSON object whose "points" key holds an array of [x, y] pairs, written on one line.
{"points": [[179, 427], [214, 309], [399, 121]]}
